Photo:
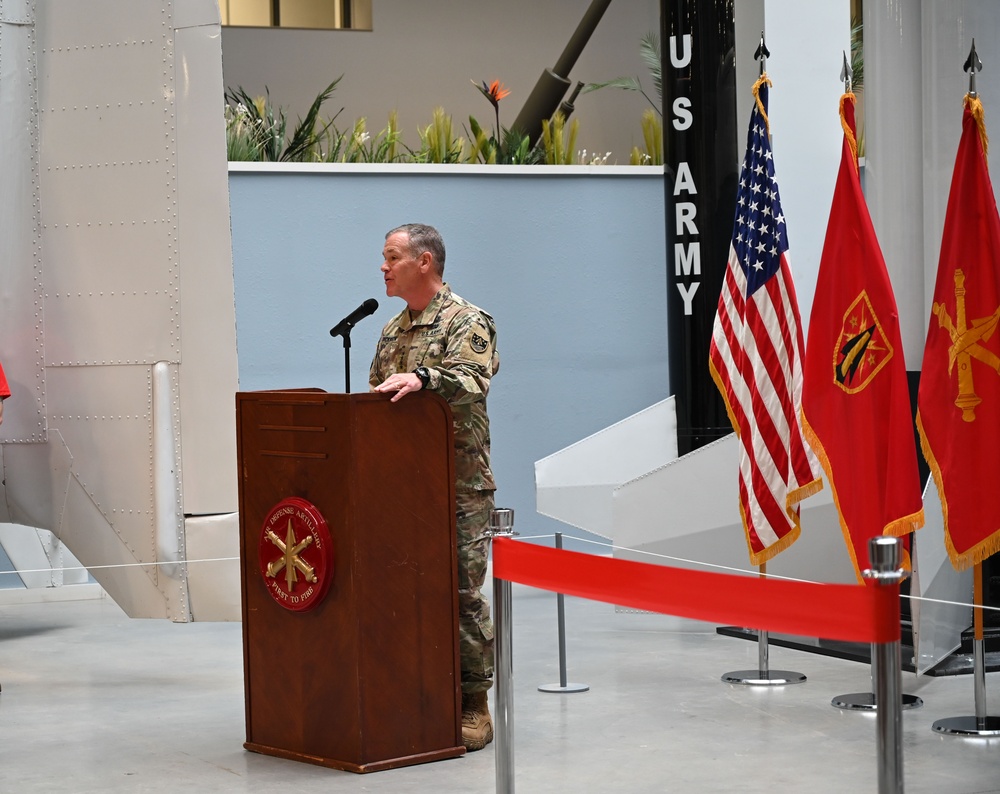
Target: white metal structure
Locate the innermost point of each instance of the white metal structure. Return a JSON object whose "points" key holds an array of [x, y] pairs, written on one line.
{"points": [[116, 305]]}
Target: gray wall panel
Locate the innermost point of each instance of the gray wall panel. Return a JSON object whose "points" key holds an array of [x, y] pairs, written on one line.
{"points": [[571, 267]]}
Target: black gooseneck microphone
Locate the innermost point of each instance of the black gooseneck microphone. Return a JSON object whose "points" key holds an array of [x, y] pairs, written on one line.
{"points": [[345, 325], [343, 328]]}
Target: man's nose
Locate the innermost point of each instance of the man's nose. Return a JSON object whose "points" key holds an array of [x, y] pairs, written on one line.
{"points": [[385, 267]]}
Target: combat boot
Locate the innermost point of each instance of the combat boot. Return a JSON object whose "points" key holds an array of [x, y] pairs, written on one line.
{"points": [[477, 725]]}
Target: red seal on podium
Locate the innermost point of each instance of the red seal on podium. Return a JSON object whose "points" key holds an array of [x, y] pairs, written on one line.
{"points": [[296, 554]]}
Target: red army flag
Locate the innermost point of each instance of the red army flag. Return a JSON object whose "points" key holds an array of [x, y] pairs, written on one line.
{"points": [[855, 399], [756, 354], [958, 412]]}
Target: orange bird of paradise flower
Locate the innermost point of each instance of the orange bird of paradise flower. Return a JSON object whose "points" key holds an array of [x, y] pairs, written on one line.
{"points": [[494, 92]]}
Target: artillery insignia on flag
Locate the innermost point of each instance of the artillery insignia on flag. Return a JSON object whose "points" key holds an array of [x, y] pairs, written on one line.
{"points": [[862, 348], [967, 342]]}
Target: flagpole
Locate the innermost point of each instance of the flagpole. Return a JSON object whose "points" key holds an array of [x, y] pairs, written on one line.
{"points": [[763, 675], [980, 724], [978, 646]]}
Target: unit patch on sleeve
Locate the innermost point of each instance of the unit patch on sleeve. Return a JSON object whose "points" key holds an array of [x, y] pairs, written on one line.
{"points": [[477, 343]]}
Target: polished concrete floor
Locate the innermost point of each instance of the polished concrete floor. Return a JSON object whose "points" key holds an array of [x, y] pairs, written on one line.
{"points": [[95, 702]]}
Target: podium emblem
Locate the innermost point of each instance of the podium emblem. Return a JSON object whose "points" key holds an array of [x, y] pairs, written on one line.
{"points": [[296, 554]]}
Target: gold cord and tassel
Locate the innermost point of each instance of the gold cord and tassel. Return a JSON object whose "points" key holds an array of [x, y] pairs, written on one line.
{"points": [[756, 95]]}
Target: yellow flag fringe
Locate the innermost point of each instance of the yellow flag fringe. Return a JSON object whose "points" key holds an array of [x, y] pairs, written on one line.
{"points": [[820, 452], [775, 548], [756, 95], [721, 386], [975, 106], [898, 528], [987, 547], [761, 557], [848, 132]]}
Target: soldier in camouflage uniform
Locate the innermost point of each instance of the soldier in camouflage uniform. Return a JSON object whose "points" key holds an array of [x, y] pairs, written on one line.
{"points": [[444, 343]]}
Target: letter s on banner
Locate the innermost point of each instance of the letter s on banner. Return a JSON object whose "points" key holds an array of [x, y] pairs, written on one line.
{"points": [[682, 115]]}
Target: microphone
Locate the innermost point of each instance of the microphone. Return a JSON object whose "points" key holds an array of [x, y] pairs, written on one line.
{"points": [[345, 325]]}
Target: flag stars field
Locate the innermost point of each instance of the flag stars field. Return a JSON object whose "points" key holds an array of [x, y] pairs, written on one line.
{"points": [[756, 354]]}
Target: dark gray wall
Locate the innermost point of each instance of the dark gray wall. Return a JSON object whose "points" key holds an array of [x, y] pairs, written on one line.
{"points": [[421, 55]]}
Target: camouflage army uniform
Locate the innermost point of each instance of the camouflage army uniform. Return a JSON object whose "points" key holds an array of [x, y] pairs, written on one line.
{"points": [[456, 341]]}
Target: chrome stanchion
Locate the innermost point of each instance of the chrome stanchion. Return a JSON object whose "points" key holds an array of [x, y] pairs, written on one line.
{"points": [[883, 552], [866, 701], [562, 686], [981, 724], [502, 525], [763, 675]]}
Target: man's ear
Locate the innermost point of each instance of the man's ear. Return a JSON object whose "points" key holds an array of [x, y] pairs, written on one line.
{"points": [[426, 261]]}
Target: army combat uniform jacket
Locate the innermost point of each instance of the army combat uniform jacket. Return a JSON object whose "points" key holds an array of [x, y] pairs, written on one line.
{"points": [[456, 341]]}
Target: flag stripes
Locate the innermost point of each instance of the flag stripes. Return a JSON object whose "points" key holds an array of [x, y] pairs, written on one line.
{"points": [[756, 355]]}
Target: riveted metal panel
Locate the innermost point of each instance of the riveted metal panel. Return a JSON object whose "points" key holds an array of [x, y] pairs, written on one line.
{"points": [[111, 562], [109, 228], [17, 12], [100, 250], [126, 257], [123, 77], [111, 295], [37, 479], [89, 192], [21, 319], [77, 138], [78, 22], [191, 13], [209, 377], [107, 412], [213, 552]]}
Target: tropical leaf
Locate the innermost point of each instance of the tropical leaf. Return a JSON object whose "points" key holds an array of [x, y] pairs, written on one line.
{"points": [[626, 83], [649, 51], [267, 126], [302, 146]]}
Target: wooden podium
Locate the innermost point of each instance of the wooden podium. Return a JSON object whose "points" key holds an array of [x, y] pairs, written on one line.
{"points": [[366, 677]]}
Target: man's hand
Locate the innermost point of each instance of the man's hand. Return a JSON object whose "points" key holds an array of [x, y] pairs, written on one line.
{"points": [[402, 383]]}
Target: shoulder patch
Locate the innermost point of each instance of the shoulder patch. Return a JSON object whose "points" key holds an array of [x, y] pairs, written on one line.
{"points": [[476, 345], [479, 343]]}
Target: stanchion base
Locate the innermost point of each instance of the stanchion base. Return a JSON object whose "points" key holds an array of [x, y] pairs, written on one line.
{"points": [[968, 726], [865, 701], [561, 688], [763, 677]]}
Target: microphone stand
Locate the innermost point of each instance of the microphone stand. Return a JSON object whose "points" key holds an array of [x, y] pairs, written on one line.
{"points": [[344, 328], [347, 358]]}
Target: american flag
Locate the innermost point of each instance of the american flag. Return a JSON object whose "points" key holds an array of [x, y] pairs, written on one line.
{"points": [[756, 354]]}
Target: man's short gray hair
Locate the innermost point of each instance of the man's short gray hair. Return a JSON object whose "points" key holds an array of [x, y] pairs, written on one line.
{"points": [[423, 238]]}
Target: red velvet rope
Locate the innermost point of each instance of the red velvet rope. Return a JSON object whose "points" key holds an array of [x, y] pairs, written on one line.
{"points": [[852, 613]]}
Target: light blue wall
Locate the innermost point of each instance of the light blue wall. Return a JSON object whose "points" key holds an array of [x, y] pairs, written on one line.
{"points": [[570, 264]]}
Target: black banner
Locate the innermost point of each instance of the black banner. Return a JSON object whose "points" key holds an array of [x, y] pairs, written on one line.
{"points": [[698, 45]]}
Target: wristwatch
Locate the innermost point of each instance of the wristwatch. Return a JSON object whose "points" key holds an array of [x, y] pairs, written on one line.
{"points": [[424, 374]]}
